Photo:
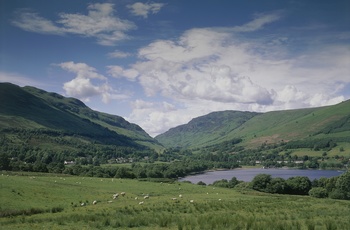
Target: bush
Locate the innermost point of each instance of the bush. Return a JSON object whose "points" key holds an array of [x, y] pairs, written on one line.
{"points": [[318, 192], [338, 194]]}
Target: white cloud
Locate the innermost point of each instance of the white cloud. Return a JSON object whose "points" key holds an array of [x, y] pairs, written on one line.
{"points": [[84, 85], [206, 70], [119, 54], [258, 23], [32, 22], [100, 23], [144, 9], [118, 72], [82, 70]]}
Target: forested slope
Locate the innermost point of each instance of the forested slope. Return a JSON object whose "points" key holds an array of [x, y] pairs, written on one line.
{"points": [[38, 126]]}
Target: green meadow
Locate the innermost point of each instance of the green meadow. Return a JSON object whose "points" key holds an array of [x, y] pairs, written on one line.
{"points": [[48, 201]]}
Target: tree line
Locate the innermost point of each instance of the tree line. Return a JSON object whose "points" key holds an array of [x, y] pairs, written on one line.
{"points": [[335, 187]]}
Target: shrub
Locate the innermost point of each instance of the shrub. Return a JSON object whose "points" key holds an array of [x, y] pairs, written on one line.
{"points": [[318, 192]]}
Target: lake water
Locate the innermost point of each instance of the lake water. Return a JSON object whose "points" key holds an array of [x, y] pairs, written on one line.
{"points": [[248, 174]]}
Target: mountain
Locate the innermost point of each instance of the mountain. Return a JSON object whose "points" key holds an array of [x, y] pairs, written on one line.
{"points": [[205, 130], [255, 129], [42, 116]]}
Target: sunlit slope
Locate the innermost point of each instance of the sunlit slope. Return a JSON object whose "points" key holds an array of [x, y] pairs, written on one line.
{"points": [[255, 129], [205, 130], [31, 108], [273, 127]]}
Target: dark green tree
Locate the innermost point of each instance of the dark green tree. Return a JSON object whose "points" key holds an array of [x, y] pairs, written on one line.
{"points": [[4, 161], [299, 185], [261, 182]]}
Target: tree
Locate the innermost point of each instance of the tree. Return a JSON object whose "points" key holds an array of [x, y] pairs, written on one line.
{"points": [[261, 182], [277, 185], [343, 185], [233, 182], [299, 185], [4, 161]]}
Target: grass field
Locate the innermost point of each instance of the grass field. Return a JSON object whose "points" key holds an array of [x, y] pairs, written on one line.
{"points": [[46, 201]]}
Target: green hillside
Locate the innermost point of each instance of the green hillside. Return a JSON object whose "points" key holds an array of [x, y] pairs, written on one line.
{"points": [[33, 120], [256, 129], [205, 130]]}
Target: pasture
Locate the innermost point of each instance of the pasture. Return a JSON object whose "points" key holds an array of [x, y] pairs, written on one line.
{"points": [[47, 201]]}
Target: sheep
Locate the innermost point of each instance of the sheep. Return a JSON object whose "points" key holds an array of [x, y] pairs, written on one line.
{"points": [[109, 201], [145, 197], [82, 204], [94, 202], [140, 202], [122, 193], [115, 196], [191, 201], [180, 196], [174, 198], [136, 198]]}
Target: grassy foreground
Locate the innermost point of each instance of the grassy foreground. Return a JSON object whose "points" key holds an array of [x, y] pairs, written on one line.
{"points": [[46, 201]]}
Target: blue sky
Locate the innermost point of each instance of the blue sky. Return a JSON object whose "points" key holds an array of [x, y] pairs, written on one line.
{"points": [[161, 63]]}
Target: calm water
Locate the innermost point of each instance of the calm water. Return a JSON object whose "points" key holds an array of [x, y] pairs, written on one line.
{"points": [[249, 174]]}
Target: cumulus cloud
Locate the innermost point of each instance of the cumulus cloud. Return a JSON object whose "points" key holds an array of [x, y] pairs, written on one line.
{"points": [[119, 72], [100, 23], [88, 83], [207, 69], [144, 9]]}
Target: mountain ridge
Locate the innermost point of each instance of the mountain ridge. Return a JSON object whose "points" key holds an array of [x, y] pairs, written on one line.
{"points": [[261, 128], [34, 108]]}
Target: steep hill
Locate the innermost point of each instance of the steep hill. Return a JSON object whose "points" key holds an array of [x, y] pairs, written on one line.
{"points": [[255, 129], [205, 130], [45, 115]]}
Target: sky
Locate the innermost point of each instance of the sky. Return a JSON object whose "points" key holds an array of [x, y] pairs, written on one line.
{"points": [[160, 64]]}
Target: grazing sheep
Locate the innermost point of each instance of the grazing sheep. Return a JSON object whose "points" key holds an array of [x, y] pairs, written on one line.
{"points": [[94, 202], [122, 193], [191, 201], [140, 202], [219, 199], [115, 196], [145, 197], [174, 198], [136, 198], [109, 201], [180, 196], [82, 204]]}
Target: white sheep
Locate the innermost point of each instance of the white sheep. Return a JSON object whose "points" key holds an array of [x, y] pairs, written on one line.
{"points": [[145, 197], [180, 196], [141, 203], [115, 196], [122, 193], [94, 202], [82, 204], [174, 198], [191, 201]]}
